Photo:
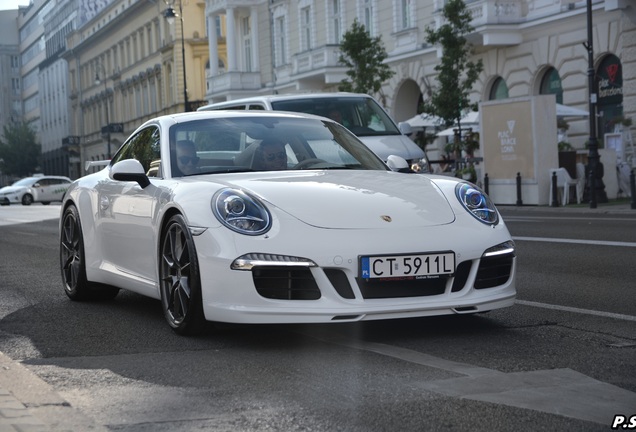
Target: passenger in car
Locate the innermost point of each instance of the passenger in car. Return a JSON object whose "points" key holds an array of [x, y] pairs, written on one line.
{"points": [[270, 156], [187, 159]]}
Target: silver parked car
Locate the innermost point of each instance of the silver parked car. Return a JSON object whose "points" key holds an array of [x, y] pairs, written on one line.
{"points": [[39, 188]]}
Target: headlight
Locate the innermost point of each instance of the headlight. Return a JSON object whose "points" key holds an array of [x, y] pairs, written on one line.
{"points": [[477, 203], [420, 165], [241, 212]]}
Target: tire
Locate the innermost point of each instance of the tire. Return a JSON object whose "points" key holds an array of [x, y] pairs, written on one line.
{"points": [[180, 280], [27, 199], [73, 262]]}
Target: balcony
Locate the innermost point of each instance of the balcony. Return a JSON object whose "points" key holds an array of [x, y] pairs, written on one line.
{"points": [[233, 81], [495, 21]]}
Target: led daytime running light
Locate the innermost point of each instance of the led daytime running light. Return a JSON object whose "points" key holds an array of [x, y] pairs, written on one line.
{"points": [[250, 260]]}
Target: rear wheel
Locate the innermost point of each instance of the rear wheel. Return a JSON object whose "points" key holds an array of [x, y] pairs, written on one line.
{"points": [[180, 279], [73, 262], [27, 199]]}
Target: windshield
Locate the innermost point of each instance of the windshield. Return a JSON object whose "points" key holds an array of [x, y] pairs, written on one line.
{"points": [[257, 143], [24, 182], [361, 115]]}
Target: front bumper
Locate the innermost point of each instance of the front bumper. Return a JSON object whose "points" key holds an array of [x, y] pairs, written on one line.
{"points": [[331, 290]]}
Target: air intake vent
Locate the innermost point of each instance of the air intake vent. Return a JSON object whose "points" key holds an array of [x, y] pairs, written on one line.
{"points": [[340, 282], [494, 271], [282, 283]]}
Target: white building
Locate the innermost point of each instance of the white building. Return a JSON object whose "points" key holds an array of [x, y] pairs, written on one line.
{"points": [[528, 47]]}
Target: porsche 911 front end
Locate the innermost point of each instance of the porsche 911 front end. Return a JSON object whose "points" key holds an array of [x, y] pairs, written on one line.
{"points": [[304, 264]]}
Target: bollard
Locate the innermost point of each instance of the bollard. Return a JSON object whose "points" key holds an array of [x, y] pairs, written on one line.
{"points": [[592, 179], [519, 201], [486, 184], [555, 192], [632, 188]]}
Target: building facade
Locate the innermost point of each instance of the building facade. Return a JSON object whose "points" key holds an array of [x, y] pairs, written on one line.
{"points": [[126, 64], [10, 82], [528, 47], [120, 62]]}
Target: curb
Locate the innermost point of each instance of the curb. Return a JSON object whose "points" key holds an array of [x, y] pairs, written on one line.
{"points": [[27, 403]]}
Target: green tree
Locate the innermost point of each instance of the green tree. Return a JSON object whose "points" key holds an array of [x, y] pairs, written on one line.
{"points": [[363, 56], [456, 72], [19, 151]]}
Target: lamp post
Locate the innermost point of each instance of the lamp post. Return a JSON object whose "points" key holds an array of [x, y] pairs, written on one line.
{"points": [[97, 82], [596, 186], [592, 145], [170, 14]]}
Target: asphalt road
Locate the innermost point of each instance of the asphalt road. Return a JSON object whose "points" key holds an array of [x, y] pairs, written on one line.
{"points": [[562, 358]]}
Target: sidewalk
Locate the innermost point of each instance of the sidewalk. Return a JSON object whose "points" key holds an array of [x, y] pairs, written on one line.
{"points": [[622, 206], [28, 404]]}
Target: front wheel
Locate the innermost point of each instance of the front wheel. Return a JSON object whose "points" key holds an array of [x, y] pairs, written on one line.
{"points": [[73, 262], [180, 280], [27, 199]]}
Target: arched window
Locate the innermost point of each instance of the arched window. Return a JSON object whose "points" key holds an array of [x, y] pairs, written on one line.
{"points": [[499, 90], [551, 84]]}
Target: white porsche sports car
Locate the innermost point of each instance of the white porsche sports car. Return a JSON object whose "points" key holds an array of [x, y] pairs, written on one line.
{"points": [[269, 217]]}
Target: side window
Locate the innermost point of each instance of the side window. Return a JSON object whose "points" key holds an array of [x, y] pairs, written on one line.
{"points": [[256, 107], [145, 147], [234, 108]]}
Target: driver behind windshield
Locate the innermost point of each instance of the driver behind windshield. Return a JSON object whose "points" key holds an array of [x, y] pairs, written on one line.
{"points": [[187, 159], [270, 156]]}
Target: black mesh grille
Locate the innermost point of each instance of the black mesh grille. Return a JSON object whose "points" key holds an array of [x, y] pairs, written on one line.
{"points": [[401, 288], [340, 282], [461, 275], [494, 271], [284, 283]]}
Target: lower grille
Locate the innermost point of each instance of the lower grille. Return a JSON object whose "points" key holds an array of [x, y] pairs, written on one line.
{"points": [[340, 282], [401, 288], [494, 271], [285, 283], [461, 275]]}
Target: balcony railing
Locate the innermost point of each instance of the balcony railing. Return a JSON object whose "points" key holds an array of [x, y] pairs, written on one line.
{"points": [[229, 81], [489, 12], [316, 59]]}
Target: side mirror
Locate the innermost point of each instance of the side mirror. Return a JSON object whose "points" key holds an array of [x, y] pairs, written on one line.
{"points": [[405, 128], [397, 163], [129, 170]]}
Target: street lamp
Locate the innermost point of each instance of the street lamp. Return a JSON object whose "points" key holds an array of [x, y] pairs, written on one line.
{"points": [[170, 15], [98, 82], [596, 185]]}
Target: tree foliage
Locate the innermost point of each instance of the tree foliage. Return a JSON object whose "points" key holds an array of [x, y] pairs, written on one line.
{"points": [[456, 72], [19, 151], [363, 56]]}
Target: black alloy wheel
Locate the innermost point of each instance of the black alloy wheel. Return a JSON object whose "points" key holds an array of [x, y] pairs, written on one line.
{"points": [[180, 279], [73, 262]]}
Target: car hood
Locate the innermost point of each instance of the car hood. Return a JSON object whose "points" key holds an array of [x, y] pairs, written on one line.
{"points": [[352, 199], [12, 189], [387, 145]]}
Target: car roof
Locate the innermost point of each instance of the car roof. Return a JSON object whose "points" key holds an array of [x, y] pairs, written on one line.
{"points": [[289, 96], [43, 176], [196, 115]]}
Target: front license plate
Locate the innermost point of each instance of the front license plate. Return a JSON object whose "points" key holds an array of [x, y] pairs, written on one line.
{"points": [[400, 266]]}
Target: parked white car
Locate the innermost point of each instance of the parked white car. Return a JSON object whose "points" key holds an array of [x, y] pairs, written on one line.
{"points": [[271, 217], [43, 189], [358, 112]]}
